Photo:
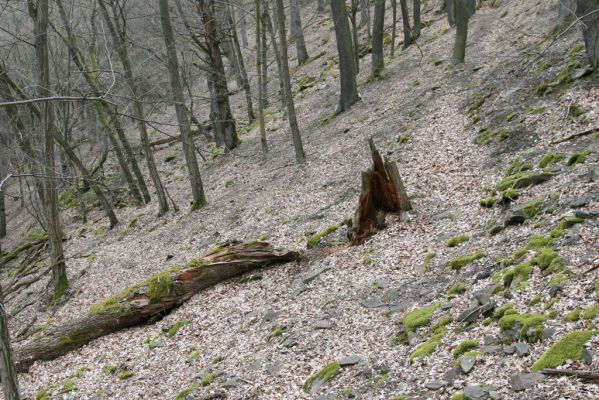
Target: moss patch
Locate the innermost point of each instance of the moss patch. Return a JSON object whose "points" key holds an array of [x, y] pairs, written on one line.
{"points": [[570, 347], [172, 331], [427, 348], [314, 382], [457, 240], [488, 202], [550, 158], [523, 179], [524, 322], [569, 222], [578, 158], [465, 346], [316, 238], [456, 289], [74, 338], [427, 262], [182, 395], [460, 262], [125, 375], [419, 318]]}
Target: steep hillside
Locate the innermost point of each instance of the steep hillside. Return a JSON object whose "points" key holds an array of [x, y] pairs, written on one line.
{"points": [[499, 282]]}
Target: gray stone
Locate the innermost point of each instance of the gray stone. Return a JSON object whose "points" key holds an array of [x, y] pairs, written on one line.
{"points": [[487, 308], [435, 385], [373, 302], [231, 383], [270, 316], [587, 356], [522, 349], [548, 333], [525, 381], [323, 324], [255, 366], [299, 290], [446, 306], [477, 392], [412, 338], [509, 349], [289, 342], [315, 272], [515, 216], [581, 201], [350, 360], [490, 349], [483, 297], [381, 283], [466, 364], [390, 296], [447, 214], [593, 174], [451, 375], [580, 73], [274, 368], [469, 315], [489, 340]]}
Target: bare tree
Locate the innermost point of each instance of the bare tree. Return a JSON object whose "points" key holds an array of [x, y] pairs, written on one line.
{"points": [[365, 16], [297, 32], [59, 283], [347, 66], [8, 374], [417, 21], [378, 58], [461, 34], [588, 11], [407, 30], [300, 157], [197, 188], [353, 17], [259, 70]]}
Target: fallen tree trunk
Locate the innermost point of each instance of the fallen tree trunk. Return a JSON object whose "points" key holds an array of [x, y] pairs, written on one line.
{"points": [[584, 375], [154, 296], [382, 192]]}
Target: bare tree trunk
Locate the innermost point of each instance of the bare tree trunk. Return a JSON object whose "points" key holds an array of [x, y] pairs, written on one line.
{"points": [[450, 5], [461, 34], [244, 75], [378, 57], [197, 188], [243, 29], [347, 64], [58, 281], [267, 22], [300, 157], [259, 63], [354, 28], [590, 28], [417, 20], [117, 33], [264, 57], [405, 17], [2, 207], [365, 16], [8, 373], [297, 32], [156, 295], [394, 26]]}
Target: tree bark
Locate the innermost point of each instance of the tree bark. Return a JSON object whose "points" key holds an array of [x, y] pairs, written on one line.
{"points": [[382, 192], [353, 17], [8, 374], [461, 34], [267, 22], [347, 65], [119, 39], [156, 295], [393, 26], [586, 9], [450, 6], [417, 20], [320, 7], [205, 9], [405, 17], [195, 179], [365, 16], [58, 281], [259, 70], [567, 11], [378, 57], [264, 57], [295, 134], [243, 29], [297, 32]]}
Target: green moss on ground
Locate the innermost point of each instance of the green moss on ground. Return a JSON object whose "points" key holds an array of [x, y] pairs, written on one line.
{"points": [[316, 238], [460, 262], [533, 208], [503, 311], [125, 375], [578, 158], [329, 371], [591, 312], [465, 346], [523, 179], [550, 303], [172, 331], [458, 396], [572, 316], [182, 395], [457, 240], [526, 322], [456, 289], [534, 301], [547, 258], [208, 380], [570, 347], [488, 202], [519, 275], [427, 348], [427, 262], [569, 222], [550, 158], [509, 195], [419, 318]]}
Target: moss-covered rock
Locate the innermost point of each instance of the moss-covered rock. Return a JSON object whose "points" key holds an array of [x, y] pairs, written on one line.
{"points": [[572, 316], [570, 347], [488, 202], [524, 324], [457, 240], [456, 289], [419, 318], [578, 158], [550, 158], [460, 262], [518, 276], [427, 348], [316, 381], [184, 393], [524, 179], [465, 346], [569, 222], [125, 375]]}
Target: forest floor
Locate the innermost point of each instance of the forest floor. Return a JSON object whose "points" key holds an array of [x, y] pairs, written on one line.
{"points": [[453, 131]]}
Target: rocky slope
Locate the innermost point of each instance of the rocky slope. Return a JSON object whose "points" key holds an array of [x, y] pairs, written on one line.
{"points": [[455, 298]]}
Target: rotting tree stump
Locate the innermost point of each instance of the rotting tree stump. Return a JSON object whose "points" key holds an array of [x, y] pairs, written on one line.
{"points": [[383, 192], [154, 296]]}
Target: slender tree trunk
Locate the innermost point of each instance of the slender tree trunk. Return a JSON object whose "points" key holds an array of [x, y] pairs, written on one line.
{"points": [[394, 26], [264, 57], [365, 16], [417, 20], [590, 28], [117, 33], [300, 157], [217, 73], [450, 5], [197, 188], [8, 373], [259, 63], [2, 207], [461, 34], [297, 32], [243, 29], [405, 17], [267, 22], [354, 28], [58, 281], [244, 75], [347, 71], [378, 58]]}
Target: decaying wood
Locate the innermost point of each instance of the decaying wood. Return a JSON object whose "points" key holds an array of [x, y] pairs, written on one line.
{"points": [[156, 295], [584, 375], [382, 192], [576, 135]]}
